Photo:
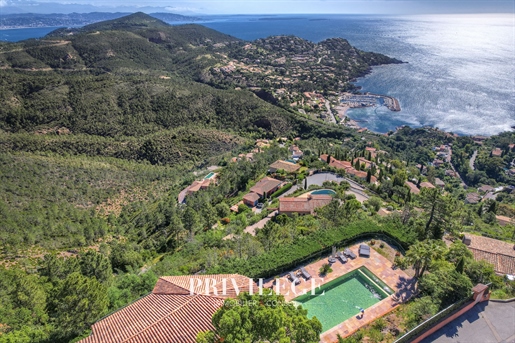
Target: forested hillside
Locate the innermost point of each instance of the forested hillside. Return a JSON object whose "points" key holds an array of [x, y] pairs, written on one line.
{"points": [[102, 127]]}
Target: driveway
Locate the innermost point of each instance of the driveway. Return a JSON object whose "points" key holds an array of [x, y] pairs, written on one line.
{"points": [[260, 224], [488, 322], [355, 188]]}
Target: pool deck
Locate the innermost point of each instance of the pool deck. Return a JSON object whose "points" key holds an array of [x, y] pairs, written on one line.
{"points": [[396, 279]]}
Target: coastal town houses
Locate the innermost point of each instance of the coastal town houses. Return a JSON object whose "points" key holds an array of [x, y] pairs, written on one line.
{"points": [[303, 205], [178, 308]]}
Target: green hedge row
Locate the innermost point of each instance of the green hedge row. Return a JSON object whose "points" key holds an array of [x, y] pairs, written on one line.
{"points": [[281, 190], [303, 249]]}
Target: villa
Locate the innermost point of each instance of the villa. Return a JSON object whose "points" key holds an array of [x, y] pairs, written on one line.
{"points": [[196, 186], [266, 186], [496, 152], [303, 205], [426, 185], [178, 309], [284, 165], [412, 187]]}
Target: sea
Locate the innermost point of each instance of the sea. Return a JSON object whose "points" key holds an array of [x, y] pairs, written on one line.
{"points": [[459, 73]]}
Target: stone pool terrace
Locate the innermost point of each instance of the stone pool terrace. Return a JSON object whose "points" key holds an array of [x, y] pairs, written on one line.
{"points": [[402, 284]]}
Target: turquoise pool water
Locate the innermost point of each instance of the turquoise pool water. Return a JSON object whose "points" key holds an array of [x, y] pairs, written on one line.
{"points": [[324, 191], [342, 298], [210, 175]]}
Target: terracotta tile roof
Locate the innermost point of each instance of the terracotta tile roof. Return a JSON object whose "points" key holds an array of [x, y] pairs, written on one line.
{"points": [[252, 197], [426, 185], [285, 165], [500, 254], [170, 314], [491, 245], [485, 188], [303, 205], [157, 318], [412, 187], [181, 284], [496, 152], [503, 220], [362, 161], [265, 185]]}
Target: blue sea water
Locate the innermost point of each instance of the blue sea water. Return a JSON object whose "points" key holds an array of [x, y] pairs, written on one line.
{"points": [[459, 75]]}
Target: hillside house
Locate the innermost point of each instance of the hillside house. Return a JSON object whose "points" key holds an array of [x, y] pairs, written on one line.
{"points": [[284, 165], [178, 309], [500, 254], [303, 205], [265, 187]]}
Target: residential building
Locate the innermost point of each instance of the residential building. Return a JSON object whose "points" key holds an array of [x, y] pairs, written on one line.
{"points": [[178, 309], [496, 152], [412, 187], [251, 199], [362, 161], [426, 184], [303, 205], [265, 187], [451, 173], [485, 189], [194, 187], [439, 183], [437, 163], [503, 220], [284, 165], [500, 254], [296, 153], [472, 198]]}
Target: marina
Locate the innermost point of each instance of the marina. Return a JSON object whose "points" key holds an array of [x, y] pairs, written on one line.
{"points": [[369, 100]]}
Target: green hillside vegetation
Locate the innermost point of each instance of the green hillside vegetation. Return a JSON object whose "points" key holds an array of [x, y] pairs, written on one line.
{"points": [[102, 127]]}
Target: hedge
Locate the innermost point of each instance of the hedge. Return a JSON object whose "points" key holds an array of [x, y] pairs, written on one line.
{"points": [[281, 190], [288, 256]]}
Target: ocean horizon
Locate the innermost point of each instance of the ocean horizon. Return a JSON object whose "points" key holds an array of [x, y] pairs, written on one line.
{"points": [[459, 75]]}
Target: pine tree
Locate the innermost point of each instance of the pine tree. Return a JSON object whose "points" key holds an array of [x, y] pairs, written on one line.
{"points": [[460, 266]]}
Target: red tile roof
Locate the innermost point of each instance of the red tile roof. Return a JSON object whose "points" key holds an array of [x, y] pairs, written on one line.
{"points": [[285, 165], [251, 197], [157, 318], [426, 185], [170, 314], [412, 187], [235, 283], [500, 254], [303, 205], [265, 185]]}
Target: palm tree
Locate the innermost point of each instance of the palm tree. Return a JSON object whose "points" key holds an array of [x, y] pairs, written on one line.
{"points": [[423, 253]]}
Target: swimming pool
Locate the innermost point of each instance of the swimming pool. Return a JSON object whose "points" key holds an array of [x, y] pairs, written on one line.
{"points": [[210, 175], [342, 298], [324, 191]]}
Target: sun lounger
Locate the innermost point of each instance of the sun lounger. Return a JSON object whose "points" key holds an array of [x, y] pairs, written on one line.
{"points": [[349, 253], [305, 273], [341, 256], [294, 279], [364, 250]]}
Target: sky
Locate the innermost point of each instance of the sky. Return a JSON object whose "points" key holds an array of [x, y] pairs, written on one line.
{"points": [[263, 6]]}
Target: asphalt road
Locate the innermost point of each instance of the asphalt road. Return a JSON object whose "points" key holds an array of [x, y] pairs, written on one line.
{"points": [[488, 322]]}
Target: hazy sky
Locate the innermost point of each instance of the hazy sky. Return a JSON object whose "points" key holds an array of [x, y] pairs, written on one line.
{"points": [[280, 6]]}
